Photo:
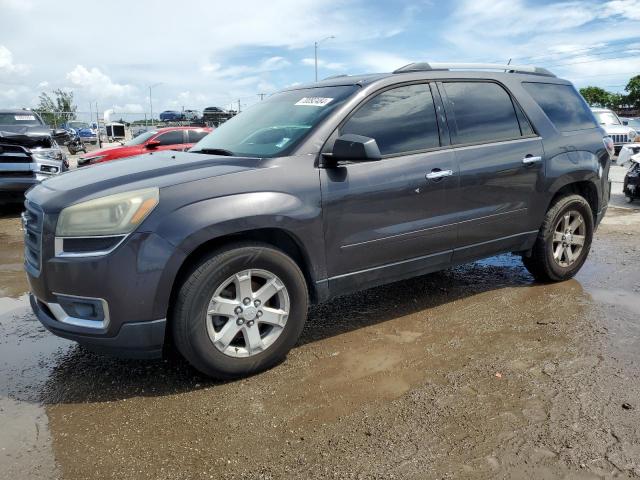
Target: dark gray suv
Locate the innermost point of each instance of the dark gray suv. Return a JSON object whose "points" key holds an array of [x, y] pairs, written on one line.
{"points": [[316, 192]]}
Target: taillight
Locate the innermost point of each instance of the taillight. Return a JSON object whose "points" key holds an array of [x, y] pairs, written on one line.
{"points": [[608, 144]]}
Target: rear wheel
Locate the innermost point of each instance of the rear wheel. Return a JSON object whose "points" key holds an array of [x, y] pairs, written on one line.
{"points": [[240, 311], [563, 242]]}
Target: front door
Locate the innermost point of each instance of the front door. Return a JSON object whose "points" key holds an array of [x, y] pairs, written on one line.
{"points": [[392, 218]]}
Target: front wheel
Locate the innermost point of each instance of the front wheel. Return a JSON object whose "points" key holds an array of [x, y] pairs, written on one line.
{"points": [[240, 311], [628, 199], [563, 242]]}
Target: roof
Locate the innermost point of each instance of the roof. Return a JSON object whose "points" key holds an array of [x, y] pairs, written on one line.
{"points": [[436, 70]]}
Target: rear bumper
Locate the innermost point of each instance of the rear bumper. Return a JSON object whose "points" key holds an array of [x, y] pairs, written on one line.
{"points": [[133, 340]]}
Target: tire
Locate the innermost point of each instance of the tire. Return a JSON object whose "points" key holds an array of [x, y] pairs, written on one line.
{"points": [[542, 262], [194, 330], [628, 199]]}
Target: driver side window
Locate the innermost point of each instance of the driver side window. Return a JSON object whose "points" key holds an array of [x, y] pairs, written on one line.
{"points": [[401, 120]]}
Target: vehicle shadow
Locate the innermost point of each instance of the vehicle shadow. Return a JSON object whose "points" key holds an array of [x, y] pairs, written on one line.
{"points": [[11, 210], [82, 376]]}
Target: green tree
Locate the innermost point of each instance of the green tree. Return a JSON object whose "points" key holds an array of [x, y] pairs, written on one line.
{"points": [[615, 101], [57, 110], [633, 92], [596, 96]]}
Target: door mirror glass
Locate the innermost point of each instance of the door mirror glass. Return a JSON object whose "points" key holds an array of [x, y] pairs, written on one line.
{"points": [[151, 144], [355, 148]]}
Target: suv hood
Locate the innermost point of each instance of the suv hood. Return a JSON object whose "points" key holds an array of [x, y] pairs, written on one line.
{"points": [[159, 169], [26, 136]]}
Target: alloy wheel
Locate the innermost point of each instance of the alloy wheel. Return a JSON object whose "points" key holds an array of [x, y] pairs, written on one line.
{"points": [[247, 313], [568, 238]]}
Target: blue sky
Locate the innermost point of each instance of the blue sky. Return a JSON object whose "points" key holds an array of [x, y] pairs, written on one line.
{"points": [[215, 52]]}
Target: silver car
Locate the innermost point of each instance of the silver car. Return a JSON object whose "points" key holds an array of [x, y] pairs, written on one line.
{"points": [[620, 133]]}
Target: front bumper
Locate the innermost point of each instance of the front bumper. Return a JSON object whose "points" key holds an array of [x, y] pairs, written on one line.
{"points": [[133, 340], [131, 281]]}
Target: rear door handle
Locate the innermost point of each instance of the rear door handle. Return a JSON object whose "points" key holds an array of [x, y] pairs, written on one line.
{"points": [[529, 159], [436, 174]]}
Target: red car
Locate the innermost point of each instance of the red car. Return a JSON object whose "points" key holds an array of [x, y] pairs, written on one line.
{"points": [[171, 138]]}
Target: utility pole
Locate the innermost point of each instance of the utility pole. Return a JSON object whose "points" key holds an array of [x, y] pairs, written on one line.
{"points": [[238, 105], [261, 95], [98, 124], [315, 52], [151, 100]]}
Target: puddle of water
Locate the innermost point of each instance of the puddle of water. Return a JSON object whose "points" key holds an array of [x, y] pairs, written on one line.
{"points": [[620, 298], [27, 353]]}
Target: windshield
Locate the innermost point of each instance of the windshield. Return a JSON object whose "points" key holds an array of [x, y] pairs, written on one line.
{"points": [[140, 139], [19, 118], [607, 118], [275, 125]]}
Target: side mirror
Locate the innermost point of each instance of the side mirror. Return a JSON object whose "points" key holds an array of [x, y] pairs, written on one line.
{"points": [[152, 144], [355, 148]]}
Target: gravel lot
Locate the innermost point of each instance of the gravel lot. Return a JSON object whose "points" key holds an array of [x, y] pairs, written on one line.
{"points": [[474, 372]]}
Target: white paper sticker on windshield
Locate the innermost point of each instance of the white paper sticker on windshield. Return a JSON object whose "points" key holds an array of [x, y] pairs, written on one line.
{"points": [[24, 117], [314, 101]]}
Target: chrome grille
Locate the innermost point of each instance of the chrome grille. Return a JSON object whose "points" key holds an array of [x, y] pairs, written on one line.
{"points": [[32, 222], [619, 138]]}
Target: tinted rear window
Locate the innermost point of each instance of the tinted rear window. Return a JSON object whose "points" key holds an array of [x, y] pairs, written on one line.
{"points": [[563, 105], [482, 112]]}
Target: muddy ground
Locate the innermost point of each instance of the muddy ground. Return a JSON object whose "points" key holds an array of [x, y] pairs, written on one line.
{"points": [[475, 372]]}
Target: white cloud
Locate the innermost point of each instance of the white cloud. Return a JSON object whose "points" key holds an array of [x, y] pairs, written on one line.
{"points": [[267, 65], [20, 5], [8, 66], [128, 108], [323, 64], [626, 8], [97, 83], [383, 61], [43, 84]]}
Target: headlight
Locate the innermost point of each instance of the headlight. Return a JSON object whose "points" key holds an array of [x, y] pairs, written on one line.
{"points": [[47, 154], [632, 134], [112, 215]]}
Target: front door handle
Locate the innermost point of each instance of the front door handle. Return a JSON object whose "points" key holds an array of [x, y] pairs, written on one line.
{"points": [[529, 159], [435, 174]]}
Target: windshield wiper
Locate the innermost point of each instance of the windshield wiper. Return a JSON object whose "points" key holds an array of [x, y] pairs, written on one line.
{"points": [[214, 151]]}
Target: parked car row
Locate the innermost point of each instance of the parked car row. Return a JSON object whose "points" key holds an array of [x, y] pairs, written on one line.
{"points": [[170, 138], [176, 116], [618, 129], [29, 152]]}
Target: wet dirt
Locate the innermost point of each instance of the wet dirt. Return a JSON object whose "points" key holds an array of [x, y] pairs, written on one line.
{"points": [[474, 372]]}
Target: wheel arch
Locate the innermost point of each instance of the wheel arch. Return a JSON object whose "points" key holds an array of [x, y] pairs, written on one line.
{"points": [[586, 188]]}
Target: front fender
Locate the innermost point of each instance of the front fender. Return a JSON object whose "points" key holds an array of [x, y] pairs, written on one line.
{"points": [[194, 224]]}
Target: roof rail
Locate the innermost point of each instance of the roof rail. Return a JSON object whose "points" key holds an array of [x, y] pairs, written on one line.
{"points": [[424, 66], [340, 75]]}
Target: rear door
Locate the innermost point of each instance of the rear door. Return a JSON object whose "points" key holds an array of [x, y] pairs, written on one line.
{"points": [[391, 218], [501, 161]]}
